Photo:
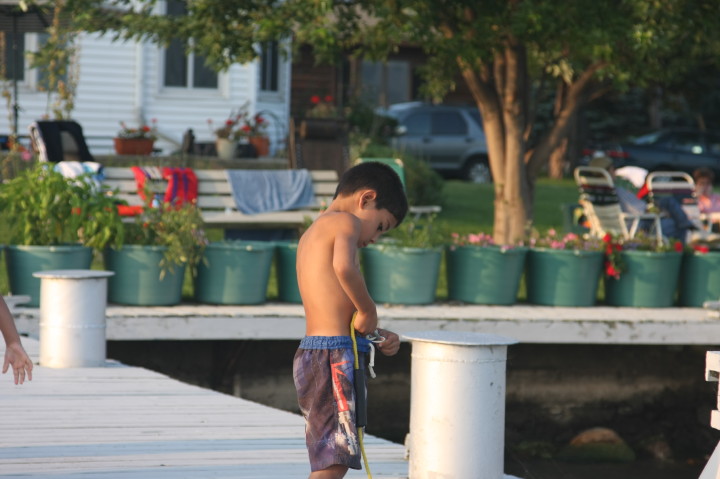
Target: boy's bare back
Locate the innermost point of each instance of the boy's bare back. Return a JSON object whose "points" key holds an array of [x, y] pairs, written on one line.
{"points": [[329, 243]]}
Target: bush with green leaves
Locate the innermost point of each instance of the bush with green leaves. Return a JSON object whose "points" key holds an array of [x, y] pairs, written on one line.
{"points": [[43, 208]]}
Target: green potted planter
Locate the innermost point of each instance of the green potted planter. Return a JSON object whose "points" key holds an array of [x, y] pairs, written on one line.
{"points": [[649, 281], [139, 279], [285, 273], [54, 222], [699, 278], [563, 271], [401, 275], [484, 274], [234, 272], [646, 272]]}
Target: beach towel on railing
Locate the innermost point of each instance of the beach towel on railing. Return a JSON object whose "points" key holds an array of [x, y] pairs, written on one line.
{"points": [[260, 191]]}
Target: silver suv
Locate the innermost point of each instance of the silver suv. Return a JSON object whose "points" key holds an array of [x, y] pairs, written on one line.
{"points": [[449, 138]]}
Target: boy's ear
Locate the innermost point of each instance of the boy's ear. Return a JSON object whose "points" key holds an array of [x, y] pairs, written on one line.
{"points": [[367, 196]]}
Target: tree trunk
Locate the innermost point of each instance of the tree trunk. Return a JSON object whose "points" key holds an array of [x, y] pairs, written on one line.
{"points": [[558, 159]]}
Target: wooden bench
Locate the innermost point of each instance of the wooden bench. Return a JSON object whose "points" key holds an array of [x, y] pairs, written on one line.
{"points": [[217, 205]]}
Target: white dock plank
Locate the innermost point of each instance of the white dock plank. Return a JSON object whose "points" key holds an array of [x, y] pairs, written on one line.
{"points": [[121, 422]]}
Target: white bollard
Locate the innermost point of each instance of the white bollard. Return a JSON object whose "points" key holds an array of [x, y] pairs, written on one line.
{"points": [[457, 405], [72, 317], [712, 374]]}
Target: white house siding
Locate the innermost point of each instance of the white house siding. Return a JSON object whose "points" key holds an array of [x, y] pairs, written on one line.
{"points": [[122, 81]]}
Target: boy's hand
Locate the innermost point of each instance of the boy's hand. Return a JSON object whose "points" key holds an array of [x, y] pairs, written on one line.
{"points": [[391, 345]]}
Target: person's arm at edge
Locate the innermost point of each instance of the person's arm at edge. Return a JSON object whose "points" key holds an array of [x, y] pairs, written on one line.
{"points": [[15, 354], [350, 277]]}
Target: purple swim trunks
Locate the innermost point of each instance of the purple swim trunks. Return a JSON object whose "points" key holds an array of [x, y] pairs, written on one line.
{"points": [[323, 374]]}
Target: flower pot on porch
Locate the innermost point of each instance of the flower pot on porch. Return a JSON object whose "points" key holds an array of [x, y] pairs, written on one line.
{"points": [[261, 144], [563, 277], [133, 146], [137, 277], [484, 274], [225, 148], [649, 280]]}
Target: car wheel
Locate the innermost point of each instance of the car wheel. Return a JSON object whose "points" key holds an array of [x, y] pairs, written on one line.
{"points": [[477, 170]]}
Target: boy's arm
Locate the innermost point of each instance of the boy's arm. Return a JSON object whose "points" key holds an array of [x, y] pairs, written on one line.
{"points": [[15, 355], [345, 251]]}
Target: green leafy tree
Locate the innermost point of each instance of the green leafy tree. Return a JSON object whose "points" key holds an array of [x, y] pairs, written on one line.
{"points": [[502, 49]]}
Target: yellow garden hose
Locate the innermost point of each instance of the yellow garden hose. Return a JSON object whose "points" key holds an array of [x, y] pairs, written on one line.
{"points": [[360, 429]]}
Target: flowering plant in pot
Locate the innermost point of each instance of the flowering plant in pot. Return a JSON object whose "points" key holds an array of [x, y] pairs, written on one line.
{"points": [[482, 272], [641, 271], [159, 245], [135, 141], [563, 270], [403, 268], [614, 246]]}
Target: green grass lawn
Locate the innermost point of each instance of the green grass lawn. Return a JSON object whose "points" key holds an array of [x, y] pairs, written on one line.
{"points": [[468, 208]]}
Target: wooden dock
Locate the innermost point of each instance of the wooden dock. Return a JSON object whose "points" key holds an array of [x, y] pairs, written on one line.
{"points": [[120, 422], [525, 323]]}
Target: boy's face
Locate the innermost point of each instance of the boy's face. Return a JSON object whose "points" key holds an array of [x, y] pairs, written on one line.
{"points": [[374, 222]]}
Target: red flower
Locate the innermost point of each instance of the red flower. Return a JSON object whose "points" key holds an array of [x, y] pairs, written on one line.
{"points": [[701, 248], [145, 128], [259, 119], [229, 122], [607, 238], [618, 247], [314, 99], [611, 271], [678, 246], [246, 128], [75, 211], [329, 98]]}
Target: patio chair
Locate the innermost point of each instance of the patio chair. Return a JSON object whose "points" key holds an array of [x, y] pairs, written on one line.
{"points": [[58, 140], [602, 207], [681, 186]]}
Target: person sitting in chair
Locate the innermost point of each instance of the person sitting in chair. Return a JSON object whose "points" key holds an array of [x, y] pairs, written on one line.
{"points": [[675, 224]]}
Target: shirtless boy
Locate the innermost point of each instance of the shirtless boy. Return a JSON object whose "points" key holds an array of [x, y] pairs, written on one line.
{"points": [[368, 202]]}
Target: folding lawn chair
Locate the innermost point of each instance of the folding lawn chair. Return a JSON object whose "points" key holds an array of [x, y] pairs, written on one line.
{"points": [[58, 140], [681, 186], [602, 207]]}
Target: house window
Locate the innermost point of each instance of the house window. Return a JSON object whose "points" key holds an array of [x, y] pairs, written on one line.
{"points": [[386, 83], [269, 67], [181, 69], [9, 59]]}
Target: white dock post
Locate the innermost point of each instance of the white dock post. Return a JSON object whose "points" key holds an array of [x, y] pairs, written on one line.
{"points": [[72, 317], [712, 373], [457, 405]]}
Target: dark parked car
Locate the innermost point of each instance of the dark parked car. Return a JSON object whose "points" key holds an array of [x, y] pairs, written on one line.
{"points": [[449, 138], [669, 149]]}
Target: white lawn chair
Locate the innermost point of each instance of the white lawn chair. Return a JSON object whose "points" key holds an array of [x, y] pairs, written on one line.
{"points": [[681, 186], [602, 207]]}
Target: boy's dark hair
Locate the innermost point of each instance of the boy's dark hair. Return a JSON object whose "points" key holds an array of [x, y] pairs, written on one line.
{"points": [[380, 178]]}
